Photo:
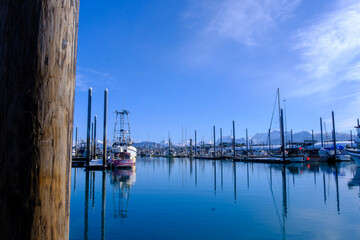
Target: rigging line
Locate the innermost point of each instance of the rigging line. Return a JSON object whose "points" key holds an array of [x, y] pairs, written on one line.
{"points": [[272, 116], [275, 205]]}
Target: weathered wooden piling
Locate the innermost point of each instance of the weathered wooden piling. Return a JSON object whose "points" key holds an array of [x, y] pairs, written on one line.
{"points": [[105, 126], [88, 148], [38, 45]]}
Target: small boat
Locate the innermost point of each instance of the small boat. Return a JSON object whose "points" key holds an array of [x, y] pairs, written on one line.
{"points": [[291, 155], [328, 153], [355, 153]]}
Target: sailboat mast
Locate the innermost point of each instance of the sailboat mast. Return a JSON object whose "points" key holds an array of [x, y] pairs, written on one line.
{"points": [[282, 134], [278, 95]]}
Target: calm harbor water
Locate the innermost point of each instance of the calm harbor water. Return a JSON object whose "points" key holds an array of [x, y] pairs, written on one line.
{"points": [[205, 199]]}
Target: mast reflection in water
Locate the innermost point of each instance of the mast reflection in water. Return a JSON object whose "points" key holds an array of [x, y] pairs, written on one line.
{"points": [[196, 199]]}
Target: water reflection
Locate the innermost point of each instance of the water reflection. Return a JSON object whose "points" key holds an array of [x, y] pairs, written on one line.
{"points": [[180, 183], [355, 181], [122, 180]]}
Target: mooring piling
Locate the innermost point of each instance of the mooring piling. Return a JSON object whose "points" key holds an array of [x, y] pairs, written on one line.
{"points": [[94, 151], [321, 133], [105, 126], [214, 155], [221, 143], [88, 128], [334, 133], [234, 142], [92, 141], [76, 141], [195, 143], [247, 141]]}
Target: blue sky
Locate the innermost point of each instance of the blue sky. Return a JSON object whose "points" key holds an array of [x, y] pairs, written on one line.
{"points": [[207, 62]]}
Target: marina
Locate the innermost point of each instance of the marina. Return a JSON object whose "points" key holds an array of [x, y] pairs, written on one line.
{"points": [[165, 119]]}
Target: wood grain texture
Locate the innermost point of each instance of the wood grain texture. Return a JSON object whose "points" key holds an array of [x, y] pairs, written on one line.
{"points": [[38, 45]]}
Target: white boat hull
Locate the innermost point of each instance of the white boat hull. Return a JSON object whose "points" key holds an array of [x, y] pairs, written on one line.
{"points": [[355, 155]]}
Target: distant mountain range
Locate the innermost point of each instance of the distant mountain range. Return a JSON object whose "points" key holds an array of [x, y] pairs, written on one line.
{"points": [[261, 138]]}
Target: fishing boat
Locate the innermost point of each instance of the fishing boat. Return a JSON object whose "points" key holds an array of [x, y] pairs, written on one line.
{"points": [[123, 153], [291, 155], [355, 153], [341, 154]]}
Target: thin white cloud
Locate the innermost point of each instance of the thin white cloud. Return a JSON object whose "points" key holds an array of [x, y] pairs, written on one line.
{"points": [[89, 77], [330, 48], [243, 21]]}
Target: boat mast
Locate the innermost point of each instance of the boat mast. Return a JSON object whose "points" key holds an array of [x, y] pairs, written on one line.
{"points": [[334, 137], [282, 135], [278, 95]]}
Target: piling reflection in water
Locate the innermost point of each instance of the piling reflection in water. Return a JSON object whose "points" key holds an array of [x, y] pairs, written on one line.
{"points": [[319, 187]]}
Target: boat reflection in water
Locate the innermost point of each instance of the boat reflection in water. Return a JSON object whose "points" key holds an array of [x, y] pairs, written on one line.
{"points": [[122, 180], [355, 181]]}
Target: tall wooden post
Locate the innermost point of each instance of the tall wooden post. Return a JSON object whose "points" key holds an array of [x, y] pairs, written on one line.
{"points": [[321, 133], [247, 141], [76, 141], [214, 155], [221, 143], [38, 45], [105, 126], [92, 141], [334, 133], [94, 151], [195, 143], [88, 137], [234, 140]]}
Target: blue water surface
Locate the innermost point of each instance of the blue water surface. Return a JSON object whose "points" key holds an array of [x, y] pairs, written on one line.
{"points": [[205, 199]]}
